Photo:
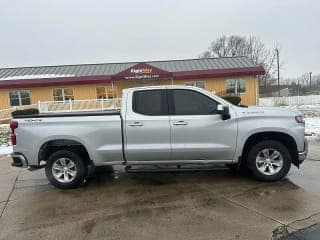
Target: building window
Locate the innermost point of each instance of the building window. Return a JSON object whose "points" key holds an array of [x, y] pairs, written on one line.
{"points": [[105, 93], [63, 94], [199, 84], [101, 93], [19, 97], [236, 86]]}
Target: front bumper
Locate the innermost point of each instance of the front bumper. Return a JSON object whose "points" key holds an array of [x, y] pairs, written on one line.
{"points": [[303, 155], [18, 160]]}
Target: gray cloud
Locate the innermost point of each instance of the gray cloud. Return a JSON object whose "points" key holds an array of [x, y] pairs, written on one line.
{"points": [[51, 32]]}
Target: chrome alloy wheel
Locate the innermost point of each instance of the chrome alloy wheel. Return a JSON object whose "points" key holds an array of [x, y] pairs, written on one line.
{"points": [[64, 170], [269, 161]]}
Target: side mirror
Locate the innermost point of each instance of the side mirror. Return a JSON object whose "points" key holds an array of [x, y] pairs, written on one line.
{"points": [[224, 111]]}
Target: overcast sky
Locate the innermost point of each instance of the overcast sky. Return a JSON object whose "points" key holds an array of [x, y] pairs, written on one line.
{"points": [[50, 32]]}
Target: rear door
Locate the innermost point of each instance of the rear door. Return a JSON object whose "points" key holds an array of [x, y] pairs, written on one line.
{"points": [[147, 128], [197, 130]]}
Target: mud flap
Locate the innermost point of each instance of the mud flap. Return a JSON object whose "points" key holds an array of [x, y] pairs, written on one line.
{"points": [[296, 162]]}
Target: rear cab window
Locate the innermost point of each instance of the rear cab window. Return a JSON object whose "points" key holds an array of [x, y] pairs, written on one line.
{"points": [[150, 102]]}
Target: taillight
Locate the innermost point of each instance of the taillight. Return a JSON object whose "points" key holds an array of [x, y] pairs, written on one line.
{"points": [[13, 139], [13, 126]]}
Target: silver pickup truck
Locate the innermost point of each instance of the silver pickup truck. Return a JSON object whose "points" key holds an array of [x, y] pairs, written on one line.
{"points": [[161, 129]]}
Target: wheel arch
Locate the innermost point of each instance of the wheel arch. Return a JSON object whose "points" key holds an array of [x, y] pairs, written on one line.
{"points": [[53, 145], [284, 138]]}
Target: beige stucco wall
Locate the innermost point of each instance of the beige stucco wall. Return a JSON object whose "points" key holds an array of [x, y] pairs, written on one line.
{"points": [[217, 85]]}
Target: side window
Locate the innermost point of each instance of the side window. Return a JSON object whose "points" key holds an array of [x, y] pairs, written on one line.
{"points": [[150, 102], [187, 102]]}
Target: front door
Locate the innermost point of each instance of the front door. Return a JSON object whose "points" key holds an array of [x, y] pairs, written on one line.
{"points": [[197, 130], [147, 128]]}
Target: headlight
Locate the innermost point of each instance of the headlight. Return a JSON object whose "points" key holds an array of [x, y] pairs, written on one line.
{"points": [[299, 119]]}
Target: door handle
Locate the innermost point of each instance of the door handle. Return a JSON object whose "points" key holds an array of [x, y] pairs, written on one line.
{"points": [[180, 123], [136, 124]]}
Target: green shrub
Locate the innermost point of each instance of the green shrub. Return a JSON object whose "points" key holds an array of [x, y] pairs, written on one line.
{"points": [[232, 99], [30, 111]]}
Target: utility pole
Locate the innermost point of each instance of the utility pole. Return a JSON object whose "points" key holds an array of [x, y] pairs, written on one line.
{"points": [[298, 92], [310, 78], [277, 51]]}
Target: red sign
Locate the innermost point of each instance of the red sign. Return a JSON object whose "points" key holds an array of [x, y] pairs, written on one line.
{"points": [[142, 71]]}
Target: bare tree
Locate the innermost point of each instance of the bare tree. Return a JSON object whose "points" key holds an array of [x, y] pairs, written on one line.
{"points": [[251, 47]]}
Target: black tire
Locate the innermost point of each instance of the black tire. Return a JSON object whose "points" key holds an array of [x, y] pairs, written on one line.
{"points": [[80, 167], [269, 144]]}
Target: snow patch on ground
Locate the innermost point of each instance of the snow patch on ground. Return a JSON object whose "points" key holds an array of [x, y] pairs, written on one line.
{"points": [[290, 100], [312, 119], [5, 146], [313, 128], [5, 150]]}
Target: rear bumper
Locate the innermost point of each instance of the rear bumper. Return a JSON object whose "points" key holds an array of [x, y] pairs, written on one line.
{"points": [[303, 155], [18, 160]]}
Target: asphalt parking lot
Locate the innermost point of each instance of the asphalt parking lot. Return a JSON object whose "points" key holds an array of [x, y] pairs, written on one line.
{"points": [[200, 205]]}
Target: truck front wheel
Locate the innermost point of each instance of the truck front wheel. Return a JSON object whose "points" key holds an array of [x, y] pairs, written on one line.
{"points": [[65, 169], [269, 160]]}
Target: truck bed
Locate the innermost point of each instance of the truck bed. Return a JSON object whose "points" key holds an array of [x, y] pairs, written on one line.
{"points": [[99, 131]]}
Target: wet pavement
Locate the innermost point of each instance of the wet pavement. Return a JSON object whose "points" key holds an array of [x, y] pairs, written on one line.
{"points": [[202, 205], [310, 233]]}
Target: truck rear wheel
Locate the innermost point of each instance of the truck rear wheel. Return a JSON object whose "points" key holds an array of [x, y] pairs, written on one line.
{"points": [[65, 169], [269, 160]]}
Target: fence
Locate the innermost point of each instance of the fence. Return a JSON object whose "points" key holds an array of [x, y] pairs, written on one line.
{"points": [[65, 106], [79, 105], [290, 101]]}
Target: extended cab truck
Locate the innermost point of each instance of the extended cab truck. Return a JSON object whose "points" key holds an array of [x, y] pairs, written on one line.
{"points": [[164, 128]]}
